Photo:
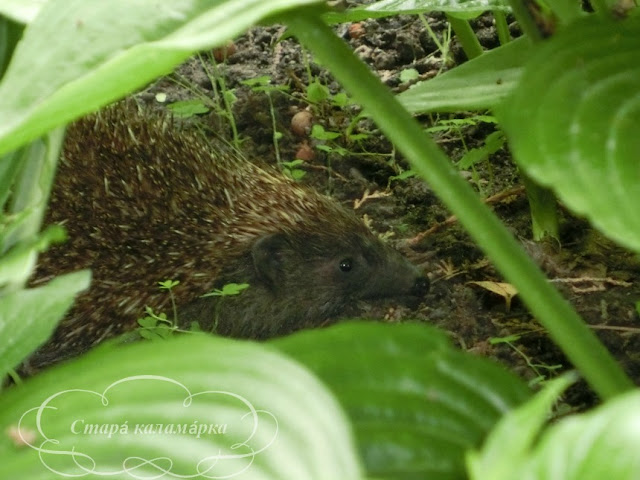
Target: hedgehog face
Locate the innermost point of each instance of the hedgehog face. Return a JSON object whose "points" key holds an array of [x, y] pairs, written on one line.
{"points": [[304, 280], [368, 269], [351, 266]]}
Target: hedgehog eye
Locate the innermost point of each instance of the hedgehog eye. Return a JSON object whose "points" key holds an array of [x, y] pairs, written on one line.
{"points": [[346, 265]]}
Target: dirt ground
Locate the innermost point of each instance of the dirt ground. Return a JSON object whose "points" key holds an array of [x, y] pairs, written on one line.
{"points": [[598, 278]]}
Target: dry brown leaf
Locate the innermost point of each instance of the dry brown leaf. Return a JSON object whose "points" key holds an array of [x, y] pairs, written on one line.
{"points": [[505, 290]]}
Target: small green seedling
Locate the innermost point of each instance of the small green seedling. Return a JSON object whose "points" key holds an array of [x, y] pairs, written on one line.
{"points": [[317, 93], [455, 124], [228, 290], [444, 46], [291, 170], [494, 142], [225, 98], [536, 367], [188, 108], [409, 75], [168, 286], [156, 326], [340, 100], [402, 176], [263, 84], [319, 133]]}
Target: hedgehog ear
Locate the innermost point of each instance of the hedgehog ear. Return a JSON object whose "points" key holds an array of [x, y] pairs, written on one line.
{"points": [[267, 253]]}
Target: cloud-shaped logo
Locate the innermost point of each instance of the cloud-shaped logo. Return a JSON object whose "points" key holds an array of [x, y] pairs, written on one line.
{"points": [[212, 434]]}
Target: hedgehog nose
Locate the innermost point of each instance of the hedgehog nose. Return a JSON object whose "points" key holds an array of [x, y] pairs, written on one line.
{"points": [[420, 287]]}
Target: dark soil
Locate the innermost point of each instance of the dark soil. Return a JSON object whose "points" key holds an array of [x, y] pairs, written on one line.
{"points": [[597, 277]]}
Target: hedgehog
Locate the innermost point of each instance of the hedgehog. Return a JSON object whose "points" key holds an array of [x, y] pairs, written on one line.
{"points": [[144, 201]]}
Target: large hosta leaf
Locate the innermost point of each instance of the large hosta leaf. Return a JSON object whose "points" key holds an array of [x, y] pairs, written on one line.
{"points": [[602, 444], [385, 8], [78, 55], [573, 122], [21, 10], [599, 445], [29, 317], [191, 407], [478, 84], [416, 403], [512, 440]]}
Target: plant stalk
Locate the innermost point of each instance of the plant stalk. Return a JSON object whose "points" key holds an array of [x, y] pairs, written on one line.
{"points": [[502, 27], [544, 209], [525, 20], [603, 7], [466, 37], [542, 202]]}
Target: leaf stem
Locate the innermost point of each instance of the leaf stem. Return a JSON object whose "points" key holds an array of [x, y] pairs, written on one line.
{"points": [[525, 20], [466, 37], [502, 27], [601, 6], [543, 205]]}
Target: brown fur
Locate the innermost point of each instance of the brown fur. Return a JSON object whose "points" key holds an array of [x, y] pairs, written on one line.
{"points": [[144, 202]]}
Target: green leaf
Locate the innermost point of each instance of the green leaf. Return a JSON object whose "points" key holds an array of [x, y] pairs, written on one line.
{"points": [[22, 11], [467, 15], [566, 10], [403, 176], [316, 92], [573, 122], [293, 163], [25, 186], [168, 284], [297, 174], [386, 8], [408, 75], [340, 100], [104, 50], [9, 169], [188, 108], [227, 290], [261, 81], [416, 404], [599, 445], [17, 264], [511, 441], [564, 325], [319, 133], [478, 84], [10, 34], [28, 317], [157, 333], [201, 404], [493, 143]]}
